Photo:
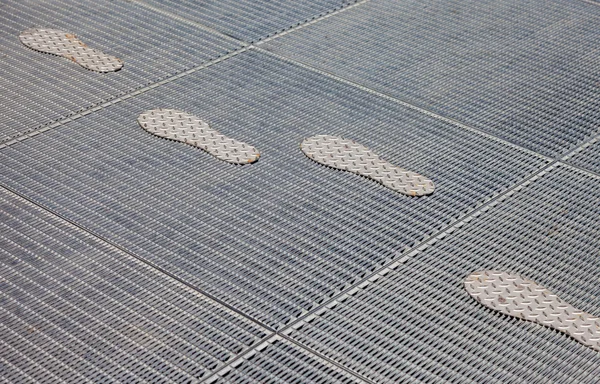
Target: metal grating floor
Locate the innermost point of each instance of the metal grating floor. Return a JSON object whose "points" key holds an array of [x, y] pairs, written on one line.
{"points": [[125, 257]]}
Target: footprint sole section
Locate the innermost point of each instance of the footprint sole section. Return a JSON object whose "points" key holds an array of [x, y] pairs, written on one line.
{"points": [[516, 296], [348, 155], [187, 128], [67, 45]]}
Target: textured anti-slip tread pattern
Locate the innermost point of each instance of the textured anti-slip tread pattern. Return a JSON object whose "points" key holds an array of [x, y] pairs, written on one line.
{"points": [[74, 310], [283, 362], [348, 155], [516, 296], [187, 128], [417, 323], [250, 20], [278, 237], [37, 90], [526, 71], [65, 44]]}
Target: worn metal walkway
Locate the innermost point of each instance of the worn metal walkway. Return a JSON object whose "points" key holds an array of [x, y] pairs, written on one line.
{"points": [[126, 257]]}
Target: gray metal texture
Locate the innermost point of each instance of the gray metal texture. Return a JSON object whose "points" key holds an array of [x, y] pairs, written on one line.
{"points": [[73, 309], [348, 155], [37, 90], [588, 158], [186, 128], [250, 20], [517, 296], [67, 45], [417, 323], [283, 362], [278, 237], [526, 71]]}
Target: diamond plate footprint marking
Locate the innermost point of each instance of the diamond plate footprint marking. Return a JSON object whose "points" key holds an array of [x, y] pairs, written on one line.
{"points": [[68, 45], [348, 155], [527, 300], [181, 126]]}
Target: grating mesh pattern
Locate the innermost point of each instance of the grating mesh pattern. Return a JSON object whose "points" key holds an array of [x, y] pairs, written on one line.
{"points": [[419, 324], [250, 20], [589, 158], [37, 89], [282, 362], [275, 238], [526, 71], [74, 310]]}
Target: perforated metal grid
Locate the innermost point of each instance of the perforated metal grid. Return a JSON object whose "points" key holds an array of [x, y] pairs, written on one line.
{"points": [[189, 129], [250, 20], [418, 323], [75, 310], [526, 71], [67, 45], [36, 89], [348, 155], [283, 362], [588, 158], [278, 237]]}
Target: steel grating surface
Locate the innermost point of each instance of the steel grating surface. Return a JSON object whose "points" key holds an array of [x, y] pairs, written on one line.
{"points": [[348, 155], [250, 20], [517, 296], [526, 71], [75, 310], [283, 362], [39, 89], [67, 45], [588, 158], [278, 237], [417, 323], [190, 129]]}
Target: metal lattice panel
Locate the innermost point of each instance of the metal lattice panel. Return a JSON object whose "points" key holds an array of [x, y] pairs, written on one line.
{"points": [[418, 323], [526, 71], [74, 310], [283, 362], [67, 45], [589, 158], [348, 155], [278, 237], [250, 20], [36, 90], [516, 296], [189, 129]]}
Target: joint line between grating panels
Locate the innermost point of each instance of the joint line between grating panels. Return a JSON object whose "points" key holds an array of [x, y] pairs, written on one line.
{"points": [[115, 100], [311, 22], [116, 246], [184, 20], [376, 275], [275, 336], [432, 239], [404, 103], [106, 103]]}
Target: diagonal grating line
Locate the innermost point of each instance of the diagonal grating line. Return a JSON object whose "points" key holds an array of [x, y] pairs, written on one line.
{"points": [[404, 257], [111, 244], [403, 103], [184, 20], [360, 284], [116, 99]]}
